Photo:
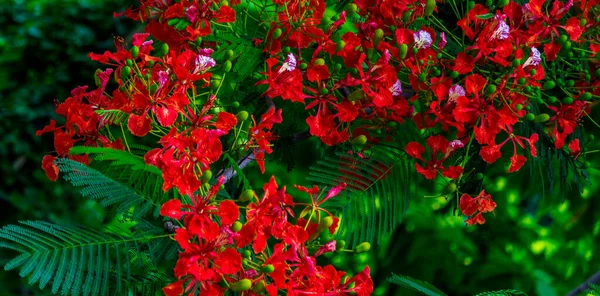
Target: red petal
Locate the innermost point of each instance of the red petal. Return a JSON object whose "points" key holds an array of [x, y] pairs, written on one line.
{"points": [[172, 209], [139, 125], [463, 63], [229, 262], [165, 115], [477, 219], [414, 149], [225, 121], [468, 205], [474, 83], [516, 162], [452, 172], [174, 289], [50, 168], [229, 212]]}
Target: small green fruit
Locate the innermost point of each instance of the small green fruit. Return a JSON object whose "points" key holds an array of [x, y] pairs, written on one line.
{"points": [[351, 8], [319, 62], [340, 45], [502, 3], [549, 85], [229, 54], [567, 100], [521, 81], [163, 50], [516, 63], [135, 52], [246, 254], [377, 36], [237, 226], [363, 247], [303, 66], [242, 115], [324, 91], [268, 268], [478, 176], [125, 73], [259, 287], [359, 141], [541, 118], [206, 176], [429, 8], [240, 286], [247, 195], [529, 117], [490, 89], [586, 96], [227, 66], [519, 107], [404, 50], [277, 33], [454, 74]]}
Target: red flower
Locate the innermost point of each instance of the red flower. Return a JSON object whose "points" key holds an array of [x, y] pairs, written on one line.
{"points": [[437, 145], [49, 167], [482, 203]]}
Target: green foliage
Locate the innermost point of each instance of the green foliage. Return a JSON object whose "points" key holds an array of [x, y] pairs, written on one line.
{"points": [[502, 293], [75, 260], [247, 55], [594, 289], [415, 285], [377, 195]]}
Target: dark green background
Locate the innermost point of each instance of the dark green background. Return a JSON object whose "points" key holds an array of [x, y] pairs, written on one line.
{"points": [[536, 243]]}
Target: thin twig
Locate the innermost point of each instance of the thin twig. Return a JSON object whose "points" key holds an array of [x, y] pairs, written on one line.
{"points": [[594, 279]]}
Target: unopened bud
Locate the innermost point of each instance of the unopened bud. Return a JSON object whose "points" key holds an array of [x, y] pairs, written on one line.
{"points": [[259, 287], [429, 8], [135, 52], [541, 118], [247, 195], [242, 285], [268, 268], [359, 141], [242, 116], [363, 247], [377, 37]]}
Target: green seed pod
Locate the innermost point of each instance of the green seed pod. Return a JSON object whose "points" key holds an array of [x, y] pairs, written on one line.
{"points": [[567, 100], [224, 3], [303, 66], [478, 176], [549, 85], [319, 62], [247, 195], [521, 81], [392, 124], [454, 74], [528, 107], [439, 56], [340, 45], [335, 17], [338, 67], [268, 268], [359, 141], [429, 8], [404, 50], [570, 83], [363, 247], [586, 96], [488, 3], [227, 66], [259, 287], [552, 100], [516, 63], [324, 91], [135, 52], [541, 118], [153, 88], [490, 89], [277, 33], [235, 105], [502, 3], [351, 8], [519, 107], [340, 244], [246, 254], [587, 77], [236, 226], [570, 54], [356, 95], [529, 117], [125, 73], [243, 285], [377, 36], [582, 22]]}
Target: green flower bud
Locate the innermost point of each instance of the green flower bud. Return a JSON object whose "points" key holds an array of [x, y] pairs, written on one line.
{"points": [[570, 83], [242, 285], [406, 16], [516, 63], [529, 117], [242, 115], [582, 22], [96, 79], [268, 268], [541, 118], [259, 287], [324, 91], [303, 66], [392, 124], [246, 254], [129, 62], [404, 50], [586, 96], [519, 107], [206, 176], [567, 45], [277, 33], [153, 88], [377, 36], [422, 77], [532, 72], [470, 5], [247, 195], [340, 45], [363, 247], [198, 41], [415, 51], [235, 105], [552, 100], [351, 8], [340, 244], [319, 62], [229, 54], [521, 81], [562, 39], [502, 3], [151, 64], [449, 189], [338, 67], [236, 226], [454, 74], [325, 223], [224, 3], [490, 89], [429, 8], [549, 85], [125, 73], [527, 89], [163, 50], [287, 49], [227, 66], [567, 100], [356, 95], [478, 176], [597, 73], [439, 56], [135, 52], [359, 141]]}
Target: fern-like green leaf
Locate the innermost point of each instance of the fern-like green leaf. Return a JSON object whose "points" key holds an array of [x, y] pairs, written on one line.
{"points": [[113, 116], [415, 285], [377, 195], [502, 293], [80, 261]]}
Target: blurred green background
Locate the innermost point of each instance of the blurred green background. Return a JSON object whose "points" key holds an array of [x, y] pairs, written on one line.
{"points": [[535, 241]]}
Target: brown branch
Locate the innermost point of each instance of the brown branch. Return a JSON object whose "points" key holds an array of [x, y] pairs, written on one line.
{"points": [[594, 279]]}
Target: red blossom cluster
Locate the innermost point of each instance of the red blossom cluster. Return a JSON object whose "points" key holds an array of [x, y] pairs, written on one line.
{"points": [[397, 63]]}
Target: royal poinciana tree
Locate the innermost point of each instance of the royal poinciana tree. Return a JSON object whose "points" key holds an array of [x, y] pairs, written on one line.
{"points": [[398, 90]]}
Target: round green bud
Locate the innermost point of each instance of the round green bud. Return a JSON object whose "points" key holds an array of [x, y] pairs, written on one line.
{"points": [[362, 247], [247, 195], [439, 56], [406, 16], [422, 77], [519, 107], [454, 74], [338, 67], [582, 22], [415, 51], [287, 49], [571, 55], [242, 115], [516, 63], [235, 104], [587, 77], [340, 244], [268, 268], [319, 62], [528, 107], [529, 117], [567, 45], [351, 8], [521, 81], [277, 33], [229, 54], [552, 100], [359, 141], [470, 5], [206, 176], [532, 72], [567, 100], [259, 287], [450, 188], [340, 45], [163, 50], [236, 226], [592, 137], [198, 41], [488, 3], [243, 285], [597, 73], [246, 254], [570, 83], [377, 36], [549, 85], [129, 62], [562, 39], [490, 89], [541, 118], [356, 95], [325, 223], [324, 91], [214, 84], [478, 176], [125, 73], [227, 66], [224, 3], [527, 89], [135, 52], [335, 17], [502, 3], [303, 66], [151, 64], [586, 96], [404, 50], [429, 8]]}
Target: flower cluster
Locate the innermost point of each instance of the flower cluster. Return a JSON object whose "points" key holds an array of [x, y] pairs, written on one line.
{"points": [[521, 73]]}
